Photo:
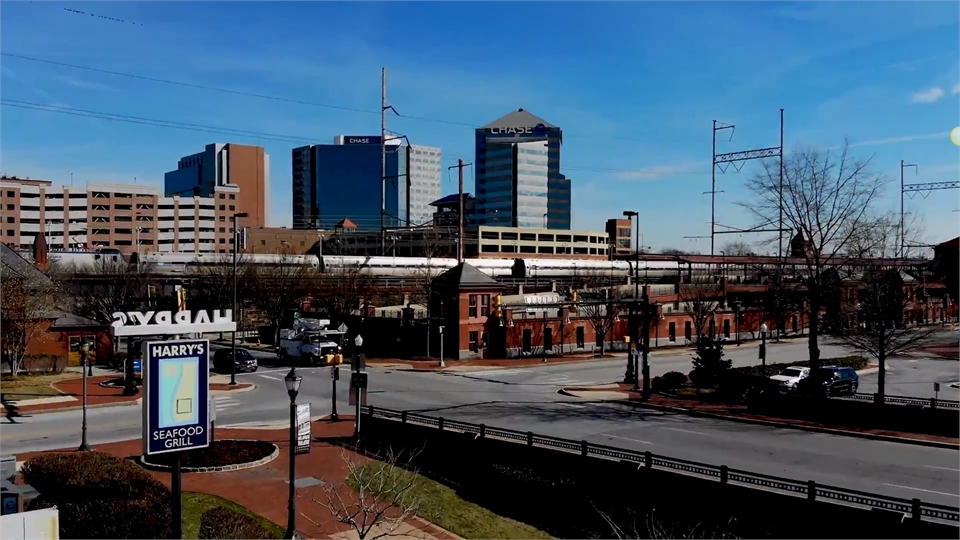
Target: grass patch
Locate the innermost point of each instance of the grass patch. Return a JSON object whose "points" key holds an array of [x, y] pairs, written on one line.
{"points": [[442, 506], [856, 362], [30, 386], [195, 504]]}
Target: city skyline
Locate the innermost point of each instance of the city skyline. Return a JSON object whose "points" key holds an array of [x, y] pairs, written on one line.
{"points": [[632, 141]]}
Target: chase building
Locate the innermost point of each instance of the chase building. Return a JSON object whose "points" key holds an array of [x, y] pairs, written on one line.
{"points": [[518, 180]]}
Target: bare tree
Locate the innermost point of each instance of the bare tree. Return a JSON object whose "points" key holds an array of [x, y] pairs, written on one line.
{"points": [[564, 332], [883, 239], [878, 307], [515, 333], [107, 286], [214, 282], [673, 251], [28, 301], [738, 249], [655, 526], [702, 306], [828, 200], [386, 496], [276, 288], [340, 293], [778, 298], [602, 316]]}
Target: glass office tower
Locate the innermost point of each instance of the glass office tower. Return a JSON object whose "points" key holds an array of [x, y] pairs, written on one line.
{"points": [[343, 180], [518, 179]]}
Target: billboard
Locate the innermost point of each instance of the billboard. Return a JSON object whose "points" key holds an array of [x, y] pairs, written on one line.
{"points": [[176, 404]]}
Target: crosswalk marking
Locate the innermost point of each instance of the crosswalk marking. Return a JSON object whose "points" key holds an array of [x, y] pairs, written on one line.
{"points": [[274, 377], [223, 403]]}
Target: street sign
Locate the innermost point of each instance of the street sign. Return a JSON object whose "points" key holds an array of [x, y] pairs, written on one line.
{"points": [[303, 429], [358, 380], [137, 365], [342, 328], [353, 397], [176, 404], [936, 387]]}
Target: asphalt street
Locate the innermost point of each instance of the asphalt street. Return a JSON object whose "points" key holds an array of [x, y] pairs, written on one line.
{"points": [[527, 399]]}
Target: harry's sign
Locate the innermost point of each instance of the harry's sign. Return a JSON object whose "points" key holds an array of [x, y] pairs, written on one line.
{"points": [[148, 323]]}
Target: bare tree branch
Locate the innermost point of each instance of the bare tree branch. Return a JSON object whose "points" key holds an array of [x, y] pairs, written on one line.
{"points": [[28, 301], [107, 286], [828, 199], [278, 287], [341, 293], [701, 305], [603, 315]]}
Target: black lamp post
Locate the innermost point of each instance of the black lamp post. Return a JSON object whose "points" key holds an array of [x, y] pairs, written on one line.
{"points": [[632, 374], [84, 447], [736, 319], [763, 349], [292, 382], [233, 337]]}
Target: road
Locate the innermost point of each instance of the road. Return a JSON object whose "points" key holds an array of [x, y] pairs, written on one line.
{"points": [[527, 399]]}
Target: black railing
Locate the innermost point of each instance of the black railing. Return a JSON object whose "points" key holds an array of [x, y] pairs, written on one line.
{"points": [[905, 400], [915, 508]]}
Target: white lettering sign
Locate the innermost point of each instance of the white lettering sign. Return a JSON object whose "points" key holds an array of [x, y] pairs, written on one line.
{"points": [[359, 140], [136, 323], [539, 128]]}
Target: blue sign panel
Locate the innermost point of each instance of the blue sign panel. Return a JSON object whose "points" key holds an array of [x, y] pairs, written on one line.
{"points": [[137, 365], [176, 401], [361, 140]]}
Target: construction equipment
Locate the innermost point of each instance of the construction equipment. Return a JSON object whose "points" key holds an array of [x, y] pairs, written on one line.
{"points": [[311, 342]]}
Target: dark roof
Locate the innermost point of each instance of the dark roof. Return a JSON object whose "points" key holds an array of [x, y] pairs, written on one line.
{"points": [[518, 118], [950, 243], [346, 223], [14, 263], [449, 199], [464, 274], [69, 320]]}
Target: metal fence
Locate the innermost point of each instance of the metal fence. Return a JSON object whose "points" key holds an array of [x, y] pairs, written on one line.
{"points": [[915, 508], [904, 400]]}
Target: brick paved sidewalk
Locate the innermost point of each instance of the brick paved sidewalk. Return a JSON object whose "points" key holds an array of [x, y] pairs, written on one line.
{"points": [[264, 489], [621, 391], [433, 364], [97, 396]]}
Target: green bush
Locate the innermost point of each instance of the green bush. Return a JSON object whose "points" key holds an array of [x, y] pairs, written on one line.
{"points": [[99, 495], [674, 379], [708, 363], [220, 522]]}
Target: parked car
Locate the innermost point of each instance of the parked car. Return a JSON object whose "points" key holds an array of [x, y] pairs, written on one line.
{"points": [[245, 361], [789, 377], [830, 381]]}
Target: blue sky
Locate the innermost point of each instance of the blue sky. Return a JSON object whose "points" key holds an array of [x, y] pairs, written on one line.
{"points": [[633, 85]]}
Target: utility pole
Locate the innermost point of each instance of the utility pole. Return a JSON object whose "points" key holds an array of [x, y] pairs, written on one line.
{"points": [[462, 218], [780, 233], [903, 240], [383, 158]]}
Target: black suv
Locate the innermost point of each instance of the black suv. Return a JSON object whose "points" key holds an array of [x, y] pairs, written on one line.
{"points": [[830, 381], [245, 362]]}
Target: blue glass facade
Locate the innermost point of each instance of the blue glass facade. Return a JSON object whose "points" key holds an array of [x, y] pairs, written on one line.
{"points": [[336, 181], [518, 180], [197, 174]]}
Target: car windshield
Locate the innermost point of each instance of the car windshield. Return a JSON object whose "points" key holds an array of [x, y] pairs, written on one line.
{"points": [[790, 372]]}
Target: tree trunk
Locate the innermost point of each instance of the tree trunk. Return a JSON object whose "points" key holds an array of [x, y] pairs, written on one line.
{"points": [[813, 344], [881, 377]]}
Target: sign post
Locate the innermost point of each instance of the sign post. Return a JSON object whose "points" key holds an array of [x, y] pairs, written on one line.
{"points": [[176, 405], [303, 429]]}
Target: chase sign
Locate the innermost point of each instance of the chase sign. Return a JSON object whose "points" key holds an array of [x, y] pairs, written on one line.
{"points": [[538, 129]]}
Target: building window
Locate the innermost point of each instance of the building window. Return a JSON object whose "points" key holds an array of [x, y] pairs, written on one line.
{"points": [[232, 208], [11, 219], [687, 330], [9, 232], [485, 305], [472, 311], [222, 241], [223, 207], [672, 331], [233, 196], [221, 195], [223, 229], [474, 341], [726, 328], [223, 218], [581, 337]]}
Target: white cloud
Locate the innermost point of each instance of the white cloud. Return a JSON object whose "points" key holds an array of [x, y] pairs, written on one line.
{"points": [[927, 96], [956, 89], [665, 171], [907, 138]]}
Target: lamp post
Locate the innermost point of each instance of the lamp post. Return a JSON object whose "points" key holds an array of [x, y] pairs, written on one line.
{"points": [[292, 382], [633, 374], [233, 337], [440, 329], [736, 319], [358, 362], [763, 349], [84, 447]]}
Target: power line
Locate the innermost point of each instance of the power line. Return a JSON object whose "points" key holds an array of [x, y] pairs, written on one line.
{"points": [[202, 128], [265, 96]]}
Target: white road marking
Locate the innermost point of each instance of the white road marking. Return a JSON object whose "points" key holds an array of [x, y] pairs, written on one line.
{"points": [[627, 439], [574, 405], [923, 490], [274, 377], [223, 403], [942, 468], [684, 430]]}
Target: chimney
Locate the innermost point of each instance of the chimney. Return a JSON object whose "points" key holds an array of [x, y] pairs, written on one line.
{"points": [[40, 250]]}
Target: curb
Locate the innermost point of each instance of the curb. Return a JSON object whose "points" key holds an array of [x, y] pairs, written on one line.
{"points": [[237, 391], [223, 468], [800, 427], [455, 368], [137, 401], [271, 426]]}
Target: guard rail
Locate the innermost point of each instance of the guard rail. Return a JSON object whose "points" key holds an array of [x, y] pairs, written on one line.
{"points": [[915, 508], [905, 400]]}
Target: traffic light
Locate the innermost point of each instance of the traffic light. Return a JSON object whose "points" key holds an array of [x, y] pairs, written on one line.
{"points": [[574, 298], [498, 307]]}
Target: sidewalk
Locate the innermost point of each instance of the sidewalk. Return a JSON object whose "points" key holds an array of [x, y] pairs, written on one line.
{"points": [[622, 393], [264, 489], [71, 391]]}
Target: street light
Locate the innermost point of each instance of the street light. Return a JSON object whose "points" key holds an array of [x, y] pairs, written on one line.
{"points": [[233, 338], [632, 374], [736, 319], [292, 382], [763, 349], [84, 447]]}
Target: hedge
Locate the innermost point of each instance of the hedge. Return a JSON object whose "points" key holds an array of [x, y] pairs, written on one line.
{"points": [[856, 362], [99, 495], [221, 522]]}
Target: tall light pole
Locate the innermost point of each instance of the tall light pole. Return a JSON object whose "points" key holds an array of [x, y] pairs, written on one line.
{"points": [[84, 447], [233, 337], [292, 382], [763, 349], [633, 374]]}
